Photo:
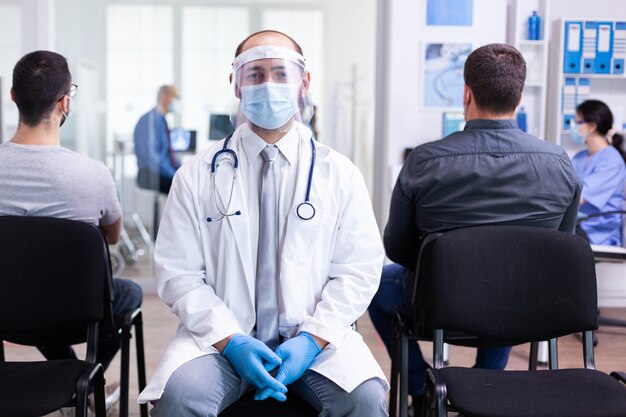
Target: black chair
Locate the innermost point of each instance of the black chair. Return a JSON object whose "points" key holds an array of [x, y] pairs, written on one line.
{"points": [[246, 406], [38, 264], [33, 229], [413, 325], [508, 285]]}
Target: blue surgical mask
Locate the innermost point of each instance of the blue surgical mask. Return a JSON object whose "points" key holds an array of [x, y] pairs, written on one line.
{"points": [[174, 106], [269, 105], [576, 136]]}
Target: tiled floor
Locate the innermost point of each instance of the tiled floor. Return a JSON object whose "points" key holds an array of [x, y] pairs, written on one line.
{"points": [[160, 326]]}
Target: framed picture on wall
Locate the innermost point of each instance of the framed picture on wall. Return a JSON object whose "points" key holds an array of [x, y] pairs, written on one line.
{"points": [[442, 86], [449, 12]]}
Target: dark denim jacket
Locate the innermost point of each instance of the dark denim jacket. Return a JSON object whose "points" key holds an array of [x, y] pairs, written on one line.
{"points": [[491, 172]]}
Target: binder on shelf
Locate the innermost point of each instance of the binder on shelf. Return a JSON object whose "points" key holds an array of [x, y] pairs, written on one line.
{"points": [[583, 91], [569, 102], [573, 50], [590, 46], [604, 48], [619, 48]]}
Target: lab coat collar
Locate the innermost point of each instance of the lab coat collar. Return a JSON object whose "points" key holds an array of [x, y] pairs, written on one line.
{"points": [[252, 144]]}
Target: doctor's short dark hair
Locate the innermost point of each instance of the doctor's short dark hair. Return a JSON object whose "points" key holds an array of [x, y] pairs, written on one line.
{"points": [[496, 73], [40, 79]]}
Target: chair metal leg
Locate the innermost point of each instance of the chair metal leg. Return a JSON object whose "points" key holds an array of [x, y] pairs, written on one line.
{"points": [[606, 321], [98, 392], [141, 361], [532, 359], [395, 364], [404, 375], [124, 372], [155, 217]]}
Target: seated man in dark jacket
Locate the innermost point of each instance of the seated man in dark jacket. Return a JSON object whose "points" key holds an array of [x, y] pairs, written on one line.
{"points": [[491, 172]]}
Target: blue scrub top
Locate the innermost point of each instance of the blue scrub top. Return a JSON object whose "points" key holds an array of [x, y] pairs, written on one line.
{"points": [[603, 175]]}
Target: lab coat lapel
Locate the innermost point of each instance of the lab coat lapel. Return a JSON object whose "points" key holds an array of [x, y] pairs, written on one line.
{"points": [[236, 224], [239, 226], [301, 235]]}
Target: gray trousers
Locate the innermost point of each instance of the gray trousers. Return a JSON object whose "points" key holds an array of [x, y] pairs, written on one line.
{"points": [[207, 385]]}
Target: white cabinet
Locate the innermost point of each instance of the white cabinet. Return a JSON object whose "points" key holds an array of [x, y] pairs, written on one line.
{"points": [[587, 62], [535, 53]]}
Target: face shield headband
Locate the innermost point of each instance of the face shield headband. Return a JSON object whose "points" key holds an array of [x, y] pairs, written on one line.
{"points": [[267, 80]]}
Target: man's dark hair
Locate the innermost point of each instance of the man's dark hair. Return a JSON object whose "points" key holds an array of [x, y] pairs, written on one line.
{"points": [[495, 73], [295, 44], [40, 79]]}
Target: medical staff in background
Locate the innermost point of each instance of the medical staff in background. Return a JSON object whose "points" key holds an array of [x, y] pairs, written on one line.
{"points": [[602, 171], [156, 160], [268, 251]]}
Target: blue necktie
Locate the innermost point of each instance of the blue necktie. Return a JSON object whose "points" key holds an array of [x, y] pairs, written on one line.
{"points": [[267, 258]]}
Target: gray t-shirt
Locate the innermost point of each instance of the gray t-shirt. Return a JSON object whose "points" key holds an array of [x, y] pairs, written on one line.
{"points": [[51, 181]]}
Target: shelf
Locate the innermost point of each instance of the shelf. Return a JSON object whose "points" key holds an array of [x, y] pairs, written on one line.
{"points": [[526, 42], [596, 76]]}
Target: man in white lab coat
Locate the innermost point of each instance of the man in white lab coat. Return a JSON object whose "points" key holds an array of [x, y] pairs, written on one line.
{"points": [[218, 242]]}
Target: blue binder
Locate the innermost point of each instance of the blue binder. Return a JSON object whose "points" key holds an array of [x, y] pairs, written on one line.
{"points": [[619, 48], [590, 46], [568, 103], [573, 47], [604, 48]]}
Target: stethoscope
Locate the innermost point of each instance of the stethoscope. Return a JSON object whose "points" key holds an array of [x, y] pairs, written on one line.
{"points": [[305, 210]]}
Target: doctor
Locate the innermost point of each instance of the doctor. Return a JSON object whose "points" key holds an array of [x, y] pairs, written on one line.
{"points": [[268, 251]]}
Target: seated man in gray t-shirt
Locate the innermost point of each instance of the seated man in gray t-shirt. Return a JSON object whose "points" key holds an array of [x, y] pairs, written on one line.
{"points": [[40, 178]]}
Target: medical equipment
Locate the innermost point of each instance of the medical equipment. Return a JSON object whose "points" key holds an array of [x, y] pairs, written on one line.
{"points": [[305, 210]]}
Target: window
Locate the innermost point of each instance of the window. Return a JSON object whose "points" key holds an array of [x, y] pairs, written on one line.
{"points": [[209, 38], [10, 52], [307, 28], [140, 51]]}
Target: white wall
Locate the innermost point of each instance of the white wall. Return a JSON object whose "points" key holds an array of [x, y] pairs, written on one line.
{"points": [[350, 46], [404, 123]]}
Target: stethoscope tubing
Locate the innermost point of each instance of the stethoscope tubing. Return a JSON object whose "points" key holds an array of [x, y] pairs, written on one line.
{"points": [[305, 205]]}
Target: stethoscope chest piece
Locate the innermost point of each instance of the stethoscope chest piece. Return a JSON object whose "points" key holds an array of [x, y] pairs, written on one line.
{"points": [[305, 210]]}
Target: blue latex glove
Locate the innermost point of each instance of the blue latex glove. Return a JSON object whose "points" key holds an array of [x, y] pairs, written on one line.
{"points": [[297, 355], [250, 358]]}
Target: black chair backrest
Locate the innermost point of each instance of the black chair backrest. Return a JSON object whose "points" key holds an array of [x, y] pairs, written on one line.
{"points": [[53, 279], [499, 283]]}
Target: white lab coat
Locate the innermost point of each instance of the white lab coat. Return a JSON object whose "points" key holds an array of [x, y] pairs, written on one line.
{"points": [[330, 265]]}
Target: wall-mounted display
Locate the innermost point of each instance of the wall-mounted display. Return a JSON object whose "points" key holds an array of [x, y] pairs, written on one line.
{"points": [[449, 12], [443, 74]]}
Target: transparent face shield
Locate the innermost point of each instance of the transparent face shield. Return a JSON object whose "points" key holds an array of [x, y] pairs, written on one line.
{"points": [[270, 88]]}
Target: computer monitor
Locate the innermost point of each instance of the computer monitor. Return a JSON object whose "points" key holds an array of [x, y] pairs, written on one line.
{"points": [[220, 126], [183, 140], [452, 122]]}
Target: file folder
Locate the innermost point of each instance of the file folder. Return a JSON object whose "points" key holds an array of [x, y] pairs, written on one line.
{"points": [[590, 45], [604, 48], [573, 47], [568, 106], [583, 91], [619, 48]]}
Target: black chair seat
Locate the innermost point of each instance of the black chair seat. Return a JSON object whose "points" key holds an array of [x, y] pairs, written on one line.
{"points": [[246, 406], [562, 392], [39, 388]]}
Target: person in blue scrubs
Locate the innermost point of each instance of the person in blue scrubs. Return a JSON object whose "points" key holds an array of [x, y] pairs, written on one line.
{"points": [[602, 170]]}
